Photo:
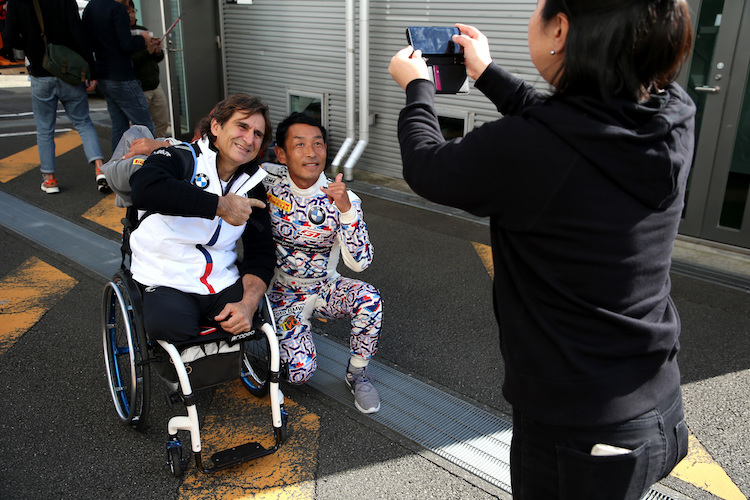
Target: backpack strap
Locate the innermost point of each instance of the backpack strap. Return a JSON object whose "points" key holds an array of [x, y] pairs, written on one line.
{"points": [[41, 20], [188, 156], [186, 152]]}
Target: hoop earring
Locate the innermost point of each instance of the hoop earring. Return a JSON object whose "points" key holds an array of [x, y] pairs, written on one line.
{"points": [[552, 52]]}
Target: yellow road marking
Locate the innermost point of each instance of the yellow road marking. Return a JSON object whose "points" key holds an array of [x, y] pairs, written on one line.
{"points": [[26, 295], [485, 254], [699, 469], [106, 214], [237, 417], [23, 161]]}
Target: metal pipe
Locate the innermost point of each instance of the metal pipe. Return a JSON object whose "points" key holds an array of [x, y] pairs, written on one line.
{"points": [[364, 88], [350, 97], [341, 153]]}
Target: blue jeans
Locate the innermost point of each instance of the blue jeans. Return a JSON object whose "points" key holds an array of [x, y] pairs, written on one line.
{"points": [[550, 462], [45, 93], [125, 103]]}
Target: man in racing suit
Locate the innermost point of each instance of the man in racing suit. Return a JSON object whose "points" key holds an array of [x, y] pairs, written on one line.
{"points": [[192, 213], [314, 220]]}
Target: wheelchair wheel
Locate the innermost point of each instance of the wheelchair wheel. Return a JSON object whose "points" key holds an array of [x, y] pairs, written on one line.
{"points": [[174, 458], [126, 350], [256, 364], [256, 354]]}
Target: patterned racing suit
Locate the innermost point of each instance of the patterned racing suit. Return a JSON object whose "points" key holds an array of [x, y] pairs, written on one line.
{"points": [[310, 234]]}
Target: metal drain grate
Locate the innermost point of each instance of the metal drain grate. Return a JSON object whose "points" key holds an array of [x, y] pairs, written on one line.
{"points": [[450, 427]]}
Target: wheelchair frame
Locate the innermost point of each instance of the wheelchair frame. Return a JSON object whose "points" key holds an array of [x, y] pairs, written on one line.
{"points": [[128, 355]]}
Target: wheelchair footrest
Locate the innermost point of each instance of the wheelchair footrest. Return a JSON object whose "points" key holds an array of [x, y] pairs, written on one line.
{"points": [[238, 454]]}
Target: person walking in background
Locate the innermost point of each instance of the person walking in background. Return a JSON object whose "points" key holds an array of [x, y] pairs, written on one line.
{"points": [[584, 190], [61, 26], [146, 65], [107, 25]]}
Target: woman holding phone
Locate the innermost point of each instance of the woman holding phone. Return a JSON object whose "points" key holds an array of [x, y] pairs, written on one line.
{"points": [[584, 189]]}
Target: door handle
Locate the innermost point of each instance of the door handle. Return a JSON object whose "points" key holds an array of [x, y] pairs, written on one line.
{"points": [[174, 50], [709, 90]]}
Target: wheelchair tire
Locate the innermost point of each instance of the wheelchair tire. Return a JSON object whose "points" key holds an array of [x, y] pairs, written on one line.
{"points": [[256, 354], [126, 350], [174, 460], [256, 364]]}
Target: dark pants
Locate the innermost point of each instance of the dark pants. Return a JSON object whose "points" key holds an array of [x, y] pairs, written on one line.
{"points": [[553, 462], [170, 314]]}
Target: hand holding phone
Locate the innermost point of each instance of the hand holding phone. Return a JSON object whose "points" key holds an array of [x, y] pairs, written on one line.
{"points": [[443, 56]]}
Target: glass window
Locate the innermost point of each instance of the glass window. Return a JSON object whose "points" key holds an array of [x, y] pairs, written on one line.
{"points": [[701, 62], [309, 103], [738, 182], [451, 127], [453, 123]]}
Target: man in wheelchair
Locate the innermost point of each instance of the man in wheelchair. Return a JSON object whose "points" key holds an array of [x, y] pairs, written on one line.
{"points": [[193, 209]]}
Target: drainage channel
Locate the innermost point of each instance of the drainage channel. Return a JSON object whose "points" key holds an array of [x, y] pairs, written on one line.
{"points": [[461, 433]]}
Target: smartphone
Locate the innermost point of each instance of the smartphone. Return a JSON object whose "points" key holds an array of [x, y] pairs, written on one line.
{"points": [[445, 61], [433, 40]]}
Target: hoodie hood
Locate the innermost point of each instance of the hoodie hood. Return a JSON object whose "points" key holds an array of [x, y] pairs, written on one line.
{"points": [[641, 147]]}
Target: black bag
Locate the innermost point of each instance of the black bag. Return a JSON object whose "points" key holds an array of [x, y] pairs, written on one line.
{"points": [[63, 62], [207, 365]]}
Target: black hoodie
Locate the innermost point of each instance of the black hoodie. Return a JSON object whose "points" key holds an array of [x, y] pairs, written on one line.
{"points": [[584, 199]]}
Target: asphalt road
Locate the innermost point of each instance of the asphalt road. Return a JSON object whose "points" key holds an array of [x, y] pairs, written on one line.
{"points": [[61, 439]]}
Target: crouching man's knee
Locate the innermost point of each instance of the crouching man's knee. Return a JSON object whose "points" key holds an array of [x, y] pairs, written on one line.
{"points": [[301, 368]]}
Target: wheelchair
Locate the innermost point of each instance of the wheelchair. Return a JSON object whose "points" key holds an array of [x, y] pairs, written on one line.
{"points": [[129, 356]]}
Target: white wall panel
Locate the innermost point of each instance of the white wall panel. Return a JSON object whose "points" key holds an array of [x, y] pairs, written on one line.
{"points": [[273, 45]]}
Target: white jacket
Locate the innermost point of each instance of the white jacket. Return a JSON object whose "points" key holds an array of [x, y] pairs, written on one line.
{"points": [[191, 254]]}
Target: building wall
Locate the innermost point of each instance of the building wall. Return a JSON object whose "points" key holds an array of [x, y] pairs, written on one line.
{"points": [[272, 46]]}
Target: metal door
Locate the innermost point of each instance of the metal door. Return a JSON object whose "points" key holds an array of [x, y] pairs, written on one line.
{"points": [[196, 74], [717, 203]]}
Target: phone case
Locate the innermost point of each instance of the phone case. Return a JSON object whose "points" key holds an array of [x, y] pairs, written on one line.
{"points": [[448, 74]]}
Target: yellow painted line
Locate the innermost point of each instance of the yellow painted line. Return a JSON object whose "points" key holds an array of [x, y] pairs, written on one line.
{"points": [[26, 295], [485, 254], [699, 469], [106, 214], [23, 161], [237, 417]]}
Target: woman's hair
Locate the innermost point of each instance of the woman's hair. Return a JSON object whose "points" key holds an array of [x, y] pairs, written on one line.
{"points": [[621, 46], [242, 103]]}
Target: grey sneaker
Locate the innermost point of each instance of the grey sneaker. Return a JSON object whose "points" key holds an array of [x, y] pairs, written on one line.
{"points": [[366, 397]]}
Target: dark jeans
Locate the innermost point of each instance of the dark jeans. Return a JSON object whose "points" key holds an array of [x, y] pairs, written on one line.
{"points": [[553, 462], [170, 314], [125, 103]]}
